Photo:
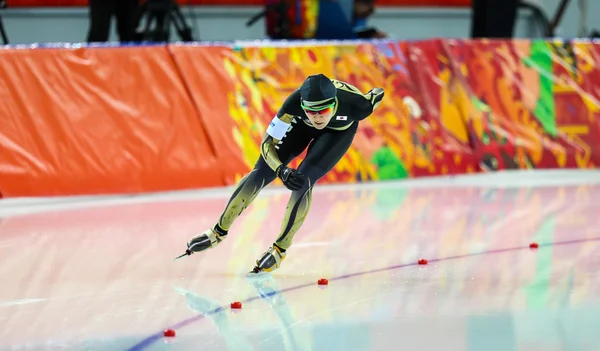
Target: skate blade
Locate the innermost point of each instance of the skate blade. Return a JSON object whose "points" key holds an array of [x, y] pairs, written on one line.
{"points": [[187, 253], [257, 274]]}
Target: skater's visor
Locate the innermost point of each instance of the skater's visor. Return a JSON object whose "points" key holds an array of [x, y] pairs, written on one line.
{"points": [[323, 110]]}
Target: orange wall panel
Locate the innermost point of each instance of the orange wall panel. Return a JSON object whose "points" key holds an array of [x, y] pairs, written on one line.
{"points": [[96, 121], [213, 91]]}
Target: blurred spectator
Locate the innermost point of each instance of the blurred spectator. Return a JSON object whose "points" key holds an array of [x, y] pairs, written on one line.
{"points": [[346, 20], [101, 13], [493, 18], [362, 10], [318, 19]]}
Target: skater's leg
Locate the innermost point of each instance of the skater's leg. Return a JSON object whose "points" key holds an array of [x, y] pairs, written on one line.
{"points": [[292, 145], [323, 154], [244, 193]]}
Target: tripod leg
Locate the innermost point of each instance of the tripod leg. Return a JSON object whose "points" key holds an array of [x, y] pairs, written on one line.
{"points": [[3, 32], [162, 27], [146, 33], [185, 32], [142, 31], [557, 17]]}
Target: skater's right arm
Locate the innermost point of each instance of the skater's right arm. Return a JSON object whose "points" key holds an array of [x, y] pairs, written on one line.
{"points": [[275, 132], [278, 127], [291, 178]]}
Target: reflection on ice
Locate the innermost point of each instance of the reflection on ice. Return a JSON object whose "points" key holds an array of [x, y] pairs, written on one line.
{"points": [[101, 277]]}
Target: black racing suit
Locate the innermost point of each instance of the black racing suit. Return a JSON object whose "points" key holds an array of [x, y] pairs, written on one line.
{"points": [[327, 147]]}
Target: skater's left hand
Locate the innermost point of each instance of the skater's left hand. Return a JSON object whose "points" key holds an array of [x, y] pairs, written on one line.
{"points": [[291, 178]]}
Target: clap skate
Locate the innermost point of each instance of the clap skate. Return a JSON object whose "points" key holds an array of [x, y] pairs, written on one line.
{"points": [[268, 262], [207, 240]]}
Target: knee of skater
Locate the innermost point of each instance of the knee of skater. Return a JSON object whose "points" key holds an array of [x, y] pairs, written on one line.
{"points": [[308, 184], [312, 175]]}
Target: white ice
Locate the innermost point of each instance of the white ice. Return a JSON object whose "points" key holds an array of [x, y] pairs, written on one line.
{"points": [[93, 273]]}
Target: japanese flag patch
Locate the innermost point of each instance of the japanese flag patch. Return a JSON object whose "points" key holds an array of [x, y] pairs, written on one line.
{"points": [[341, 118]]}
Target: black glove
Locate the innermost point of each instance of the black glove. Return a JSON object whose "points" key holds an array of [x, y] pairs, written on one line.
{"points": [[292, 179], [375, 95]]}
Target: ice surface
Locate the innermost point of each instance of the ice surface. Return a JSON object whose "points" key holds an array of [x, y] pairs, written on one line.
{"points": [[97, 274]]}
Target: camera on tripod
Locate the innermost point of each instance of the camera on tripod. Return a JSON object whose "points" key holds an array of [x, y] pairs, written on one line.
{"points": [[159, 16]]}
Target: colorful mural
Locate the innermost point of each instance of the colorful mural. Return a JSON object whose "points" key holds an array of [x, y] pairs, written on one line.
{"points": [[394, 143], [451, 106], [527, 106]]}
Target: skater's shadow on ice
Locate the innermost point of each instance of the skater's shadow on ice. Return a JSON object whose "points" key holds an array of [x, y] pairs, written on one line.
{"points": [[220, 315]]}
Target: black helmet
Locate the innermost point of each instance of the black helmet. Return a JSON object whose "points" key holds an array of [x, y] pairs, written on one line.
{"points": [[317, 91]]}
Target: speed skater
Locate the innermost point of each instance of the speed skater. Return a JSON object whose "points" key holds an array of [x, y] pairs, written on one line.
{"points": [[323, 115]]}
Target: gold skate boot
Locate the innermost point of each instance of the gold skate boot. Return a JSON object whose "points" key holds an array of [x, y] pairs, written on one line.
{"points": [[269, 261], [206, 240]]}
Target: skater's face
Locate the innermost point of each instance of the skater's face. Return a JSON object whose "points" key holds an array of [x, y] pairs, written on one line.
{"points": [[320, 118]]}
